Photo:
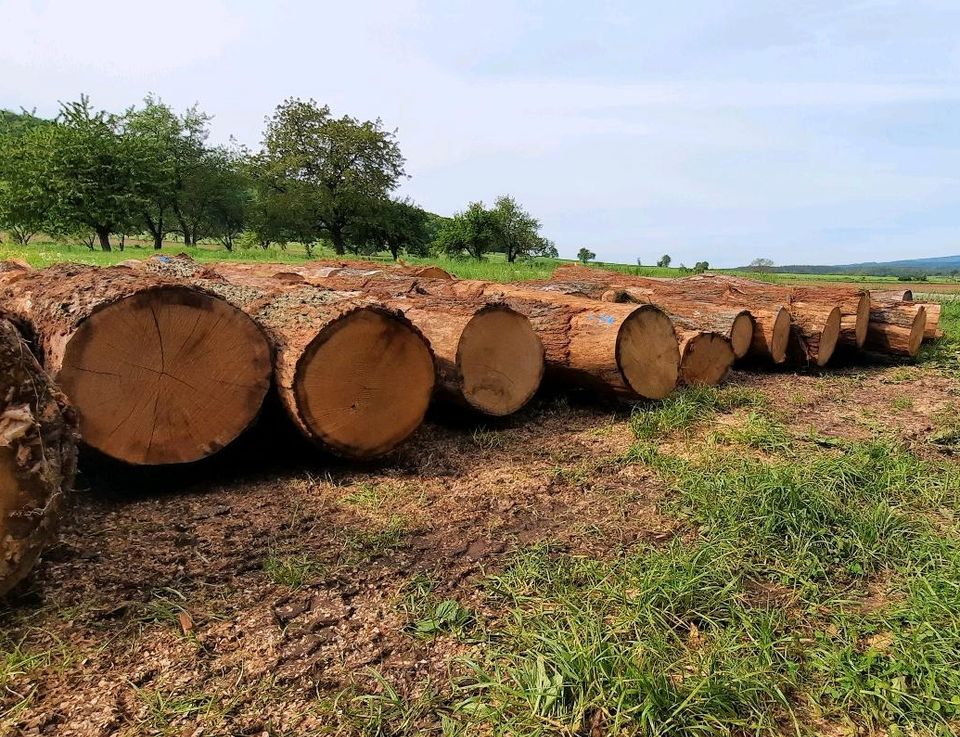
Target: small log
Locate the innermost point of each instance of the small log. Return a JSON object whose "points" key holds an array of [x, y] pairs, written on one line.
{"points": [[38, 457], [932, 330], [158, 372], [892, 295], [896, 328]]}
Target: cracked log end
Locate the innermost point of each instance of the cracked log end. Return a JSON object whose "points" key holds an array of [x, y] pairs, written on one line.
{"points": [[780, 335], [167, 375], [829, 337], [647, 353], [363, 384], [500, 359], [705, 359], [862, 320], [38, 456], [741, 334]]}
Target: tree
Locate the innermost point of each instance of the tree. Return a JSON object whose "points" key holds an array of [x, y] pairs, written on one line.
{"points": [[227, 195], [168, 149], [395, 226], [472, 230], [761, 264], [700, 267], [92, 174], [341, 163], [25, 197], [664, 261], [517, 232], [584, 255]]}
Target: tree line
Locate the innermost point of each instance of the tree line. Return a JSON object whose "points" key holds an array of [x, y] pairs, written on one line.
{"points": [[316, 178]]}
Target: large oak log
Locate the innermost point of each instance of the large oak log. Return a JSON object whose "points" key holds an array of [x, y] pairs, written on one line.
{"points": [[896, 328], [488, 355], [158, 372], [771, 321], [38, 456]]}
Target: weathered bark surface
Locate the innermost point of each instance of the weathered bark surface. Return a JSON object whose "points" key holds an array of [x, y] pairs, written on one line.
{"points": [[932, 330], [854, 307], [38, 457], [771, 318], [159, 372], [896, 328]]}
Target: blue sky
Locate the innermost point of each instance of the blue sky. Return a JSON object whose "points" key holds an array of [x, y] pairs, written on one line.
{"points": [[805, 132]]}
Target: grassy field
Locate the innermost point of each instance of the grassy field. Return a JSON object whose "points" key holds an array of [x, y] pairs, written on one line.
{"points": [[780, 556]]}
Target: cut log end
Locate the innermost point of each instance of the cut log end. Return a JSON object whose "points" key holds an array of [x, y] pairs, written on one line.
{"points": [[647, 353], [741, 334], [363, 384], [863, 319], [829, 337], [777, 339], [500, 359], [168, 375], [705, 359], [917, 330]]}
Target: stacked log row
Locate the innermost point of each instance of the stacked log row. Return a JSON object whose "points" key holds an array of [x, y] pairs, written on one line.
{"points": [[770, 321], [896, 328], [354, 375], [488, 356], [626, 350], [159, 372], [38, 456]]}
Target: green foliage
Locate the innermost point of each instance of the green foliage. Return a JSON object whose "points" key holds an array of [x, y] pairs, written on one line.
{"points": [[397, 226], [664, 261], [517, 232], [585, 254], [332, 168], [25, 195], [687, 407], [472, 231]]}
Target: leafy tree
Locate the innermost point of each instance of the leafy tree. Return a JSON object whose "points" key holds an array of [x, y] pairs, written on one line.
{"points": [[395, 226], [92, 174], [168, 148], [341, 163], [517, 232], [664, 261], [25, 197], [585, 254], [761, 264], [473, 231], [700, 267], [228, 194]]}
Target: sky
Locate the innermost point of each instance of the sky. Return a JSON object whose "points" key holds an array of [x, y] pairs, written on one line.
{"points": [[804, 131]]}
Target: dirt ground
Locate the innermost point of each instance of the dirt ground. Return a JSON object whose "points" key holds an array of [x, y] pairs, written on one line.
{"points": [[241, 596]]}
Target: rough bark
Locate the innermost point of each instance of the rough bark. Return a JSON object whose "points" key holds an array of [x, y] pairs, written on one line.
{"points": [[896, 328], [159, 372], [892, 295], [38, 455], [932, 330]]}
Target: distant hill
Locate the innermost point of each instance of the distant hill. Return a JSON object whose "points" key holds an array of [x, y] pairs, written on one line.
{"points": [[942, 265]]}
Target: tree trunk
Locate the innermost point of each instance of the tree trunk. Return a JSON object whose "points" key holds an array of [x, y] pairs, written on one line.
{"points": [[355, 376], [103, 235], [854, 307], [38, 456], [932, 331], [892, 295], [339, 242], [896, 328], [157, 241], [159, 372]]}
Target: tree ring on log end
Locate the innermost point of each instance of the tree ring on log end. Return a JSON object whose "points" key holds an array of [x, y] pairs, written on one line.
{"points": [[917, 329], [706, 359], [167, 375], [500, 359], [781, 335], [364, 383], [648, 354], [741, 334], [829, 337], [863, 319]]}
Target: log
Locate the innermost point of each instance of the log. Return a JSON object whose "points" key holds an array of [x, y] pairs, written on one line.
{"points": [[38, 457], [771, 322], [896, 328], [892, 295], [488, 355], [932, 330], [158, 372], [629, 351], [854, 305]]}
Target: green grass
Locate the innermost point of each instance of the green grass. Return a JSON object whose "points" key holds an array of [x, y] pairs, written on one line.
{"points": [[293, 571], [815, 587]]}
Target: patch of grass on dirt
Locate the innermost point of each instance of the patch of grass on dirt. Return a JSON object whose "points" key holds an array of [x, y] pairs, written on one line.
{"points": [[294, 571], [370, 496], [947, 431], [945, 352], [368, 543], [757, 431], [764, 617], [487, 439], [690, 406]]}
